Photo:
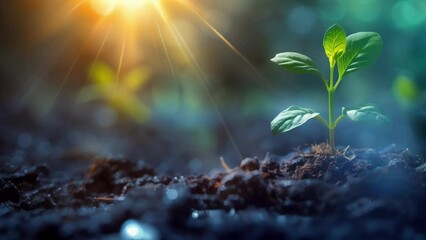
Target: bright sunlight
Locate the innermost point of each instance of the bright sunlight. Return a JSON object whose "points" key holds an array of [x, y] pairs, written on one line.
{"points": [[125, 7], [128, 36]]}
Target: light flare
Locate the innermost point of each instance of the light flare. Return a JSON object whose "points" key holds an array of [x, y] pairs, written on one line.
{"points": [[201, 76], [120, 66], [257, 76], [125, 7], [123, 27]]}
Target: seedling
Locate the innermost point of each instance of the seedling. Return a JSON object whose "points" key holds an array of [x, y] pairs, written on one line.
{"points": [[351, 54], [122, 94]]}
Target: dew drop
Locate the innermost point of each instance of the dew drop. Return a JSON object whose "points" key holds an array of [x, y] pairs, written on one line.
{"points": [[172, 194], [134, 230]]}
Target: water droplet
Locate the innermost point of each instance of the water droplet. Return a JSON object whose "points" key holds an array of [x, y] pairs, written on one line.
{"points": [[232, 212], [195, 214], [179, 179], [200, 214], [172, 194], [134, 230]]}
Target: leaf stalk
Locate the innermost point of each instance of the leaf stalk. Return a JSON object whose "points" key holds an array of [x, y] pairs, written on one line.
{"points": [[331, 125]]}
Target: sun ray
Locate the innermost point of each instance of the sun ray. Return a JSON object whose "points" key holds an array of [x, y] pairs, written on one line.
{"points": [[202, 77], [28, 92], [219, 113], [76, 6], [257, 75], [35, 78], [98, 53], [70, 70], [125, 25], [61, 86], [172, 29], [204, 81], [172, 69], [120, 65]]}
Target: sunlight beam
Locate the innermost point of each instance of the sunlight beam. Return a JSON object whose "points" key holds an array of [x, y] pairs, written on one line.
{"points": [[172, 69], [204, 81], [80, 95], [76, 6], [103, 7], [120, 65], [61, 86], [258, 77], [202, 77]]}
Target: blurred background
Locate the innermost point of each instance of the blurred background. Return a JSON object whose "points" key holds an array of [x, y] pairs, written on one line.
{"points": [[179, 83]]}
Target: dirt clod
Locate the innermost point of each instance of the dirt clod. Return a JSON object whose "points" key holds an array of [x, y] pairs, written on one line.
{"points": [[250, 164]]}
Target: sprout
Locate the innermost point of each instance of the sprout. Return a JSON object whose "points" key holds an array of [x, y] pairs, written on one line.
{"points": [[350, 54]]}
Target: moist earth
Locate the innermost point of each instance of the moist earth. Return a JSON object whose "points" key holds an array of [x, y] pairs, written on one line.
{"points": [[356, 194]]}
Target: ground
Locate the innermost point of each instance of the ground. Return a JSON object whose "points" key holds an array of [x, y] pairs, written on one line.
{"points": [[309, 194]]}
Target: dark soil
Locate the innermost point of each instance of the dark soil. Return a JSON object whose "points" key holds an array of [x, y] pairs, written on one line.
{"points": [[357, 194]]}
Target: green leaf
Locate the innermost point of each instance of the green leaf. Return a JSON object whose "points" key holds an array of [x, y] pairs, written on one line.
{"points": [[101, 74], [362, 50], [136, 79], [290, 118], [334, 43], [296, 62], [365, 114], [131, 106]]}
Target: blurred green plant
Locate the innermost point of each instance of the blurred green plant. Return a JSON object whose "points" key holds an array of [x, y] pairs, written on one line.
{"points": [[350, 53], [121, 94], [406, 92]]}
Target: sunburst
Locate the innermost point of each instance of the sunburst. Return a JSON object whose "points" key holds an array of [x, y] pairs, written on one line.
{"points": [[124, 29]]}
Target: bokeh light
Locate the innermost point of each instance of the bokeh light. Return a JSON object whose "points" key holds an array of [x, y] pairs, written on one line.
{"points": [[408, 14], [366, 10], [302, 25], [333, 10]]}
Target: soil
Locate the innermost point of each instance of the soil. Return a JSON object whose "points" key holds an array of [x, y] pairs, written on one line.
{"points": [[357, 194]]}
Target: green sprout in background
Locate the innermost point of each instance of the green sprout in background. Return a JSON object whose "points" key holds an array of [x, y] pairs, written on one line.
{"points": [[121, 94], [351, 53], [406, 92]]}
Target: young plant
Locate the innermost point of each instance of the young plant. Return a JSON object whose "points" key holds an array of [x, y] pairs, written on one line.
{"points": [[350, 54]]}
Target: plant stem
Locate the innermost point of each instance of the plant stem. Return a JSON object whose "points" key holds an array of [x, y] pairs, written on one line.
{"points": [[330, 121], [323, 121], [338, 119], [331, 111]]}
